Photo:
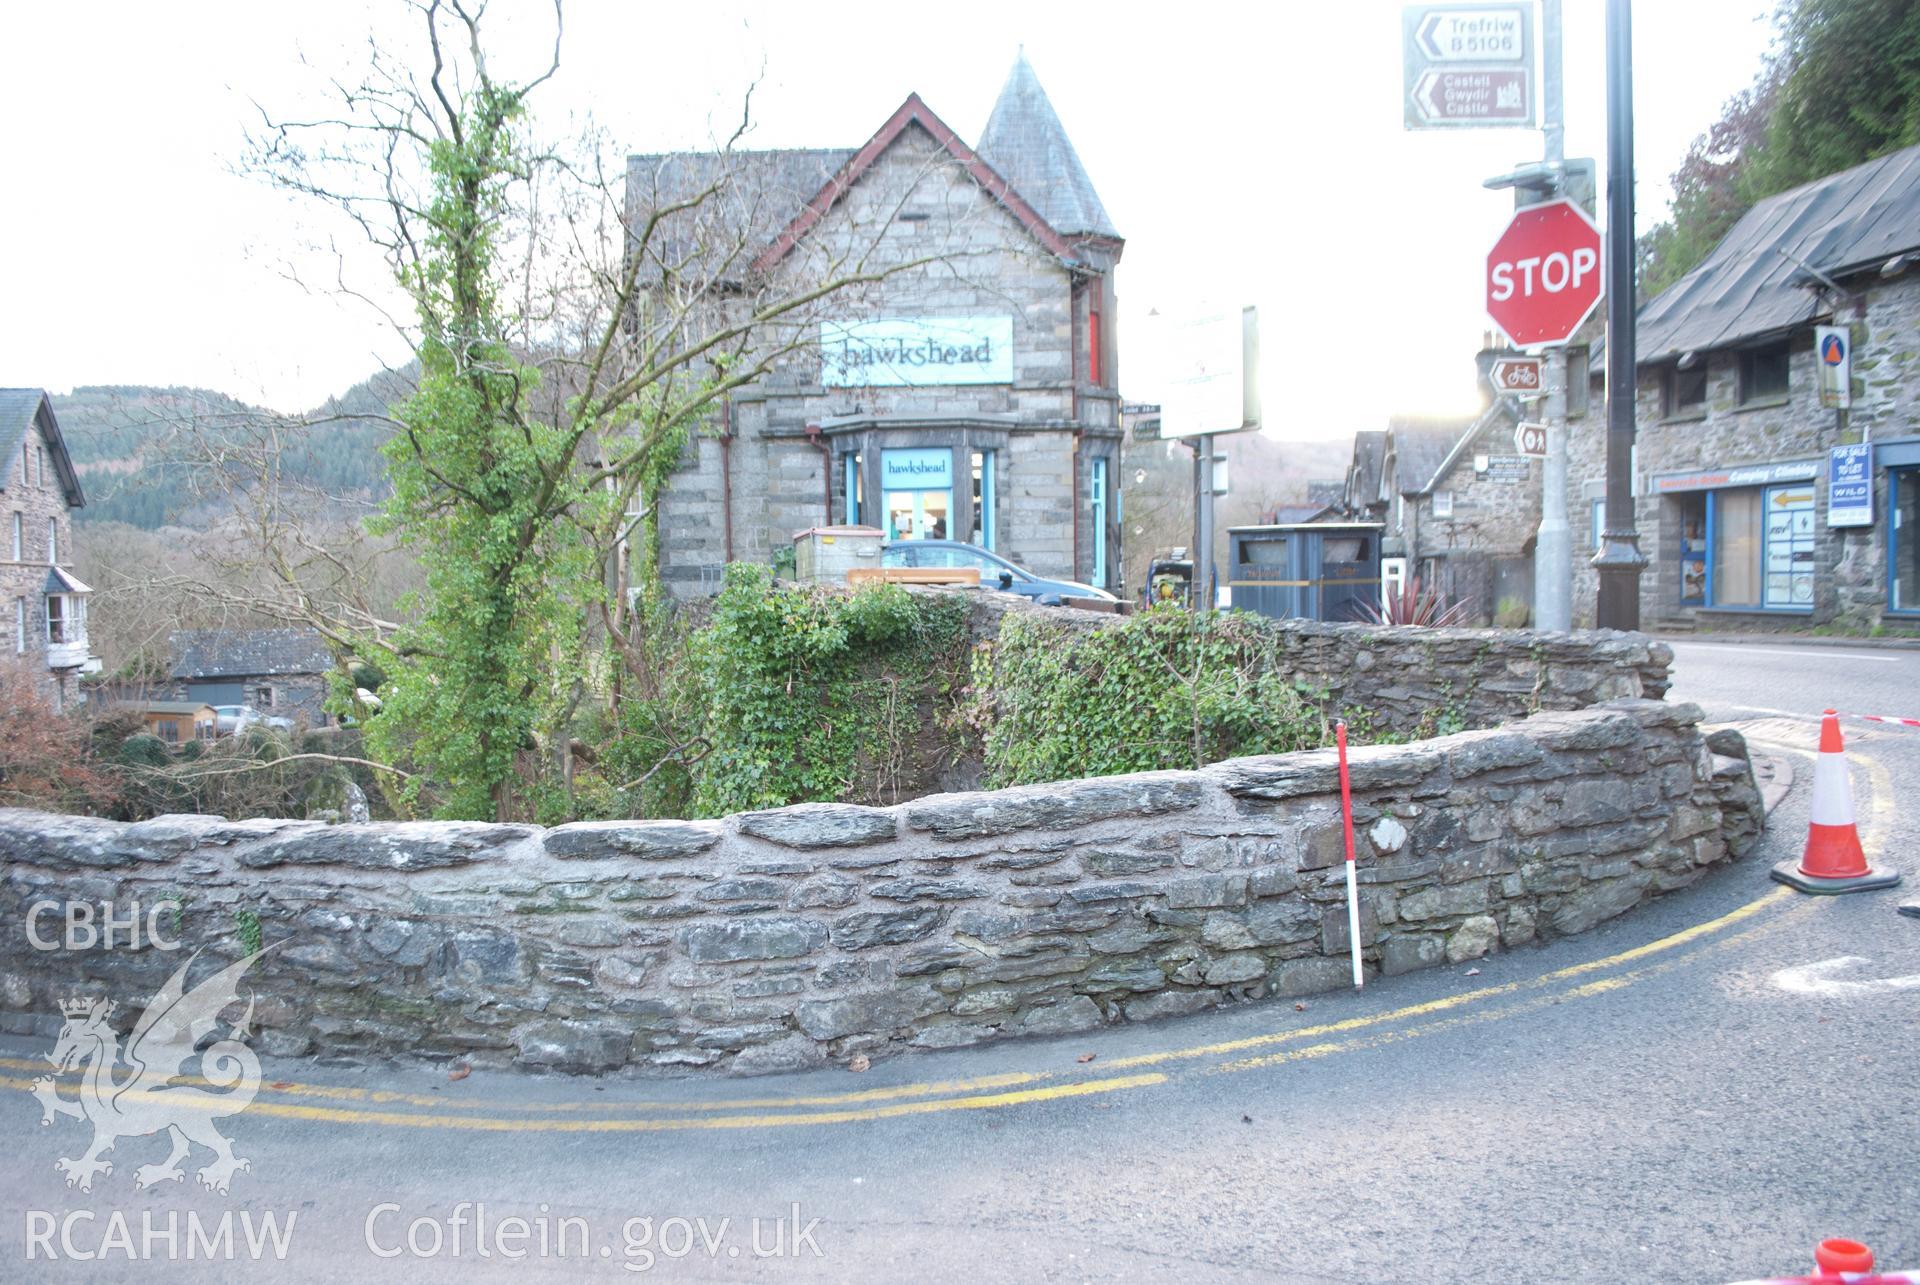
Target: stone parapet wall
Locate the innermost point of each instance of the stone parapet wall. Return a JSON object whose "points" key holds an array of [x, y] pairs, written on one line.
{"points": [[783, 939], [1411, 679]]}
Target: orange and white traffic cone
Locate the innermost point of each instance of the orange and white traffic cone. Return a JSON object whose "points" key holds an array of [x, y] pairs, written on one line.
{"points": [[1833, 861]]}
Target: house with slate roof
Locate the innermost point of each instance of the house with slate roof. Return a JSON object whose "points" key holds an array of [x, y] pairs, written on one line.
{"points": [[279, 671], [1735, 461], [46, 603], [970, 394]]}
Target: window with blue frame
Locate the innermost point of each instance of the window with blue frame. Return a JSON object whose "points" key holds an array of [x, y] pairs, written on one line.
{"points": [[1761, 542], [983, 516], [1099, 503], [1693, 549], [1903, 539], [850, 466]]}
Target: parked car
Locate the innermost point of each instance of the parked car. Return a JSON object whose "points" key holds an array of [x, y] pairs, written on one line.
{"points": [[231, 720], [995, 571]]}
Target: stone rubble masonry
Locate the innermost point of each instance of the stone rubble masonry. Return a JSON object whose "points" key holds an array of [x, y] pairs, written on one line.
{"points": [[1407, 677], [789, 938], [35, 501], [1850, 567]]}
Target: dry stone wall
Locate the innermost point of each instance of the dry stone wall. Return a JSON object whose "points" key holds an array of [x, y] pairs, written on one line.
{"points": [[784, 939]]}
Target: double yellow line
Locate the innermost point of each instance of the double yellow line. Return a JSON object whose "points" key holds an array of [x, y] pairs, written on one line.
{"points": [[311, 1102], [1009, 1089]]}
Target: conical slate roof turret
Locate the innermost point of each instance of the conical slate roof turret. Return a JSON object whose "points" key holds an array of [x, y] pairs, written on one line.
{"points": [[1026, 145]]}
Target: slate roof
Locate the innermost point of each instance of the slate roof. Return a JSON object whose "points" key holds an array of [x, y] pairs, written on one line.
{"points": [[1420, 445], [168, 707], [1298, 514], [1027, 145], [59, 581], [762, 189], [247, 653], [1845, 223], [1363, 475], [776, 196], [18, 408]]}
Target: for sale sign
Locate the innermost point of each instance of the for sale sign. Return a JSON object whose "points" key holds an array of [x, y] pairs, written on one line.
{"points": [[1850, 485]]}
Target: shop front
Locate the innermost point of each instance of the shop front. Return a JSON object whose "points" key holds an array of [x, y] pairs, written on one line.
{"points": [[1740, 539], [1901, 460]]}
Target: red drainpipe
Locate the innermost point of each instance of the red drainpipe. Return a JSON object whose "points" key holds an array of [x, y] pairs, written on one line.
{"points": [[826, 472], [726, 475], [1074, 296]]}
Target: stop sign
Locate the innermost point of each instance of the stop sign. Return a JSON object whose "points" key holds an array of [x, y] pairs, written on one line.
{"points": [[1543, 274]]}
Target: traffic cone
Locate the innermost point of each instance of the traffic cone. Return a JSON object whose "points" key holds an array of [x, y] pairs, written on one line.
{"points": [[1833, 861], [1836, 1255]]}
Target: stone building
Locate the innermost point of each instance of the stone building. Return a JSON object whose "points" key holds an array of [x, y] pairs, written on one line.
{"points": [[38, 493], [1735, 451], [972, 397], [278, 671]]}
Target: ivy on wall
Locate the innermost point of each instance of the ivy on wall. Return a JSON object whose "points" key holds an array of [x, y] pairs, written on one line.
{"points": [[806, 690], [1167, 688]]}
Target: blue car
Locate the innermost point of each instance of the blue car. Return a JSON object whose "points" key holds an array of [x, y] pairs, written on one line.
{"points": [[995, 571]]}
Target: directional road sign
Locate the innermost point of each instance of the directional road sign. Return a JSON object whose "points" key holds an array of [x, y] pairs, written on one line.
{"points": [[1467, 66], [1530, 439], [1517, 376]]}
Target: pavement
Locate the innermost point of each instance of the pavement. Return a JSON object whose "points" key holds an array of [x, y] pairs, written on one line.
{"points": [[1699, 1090]]}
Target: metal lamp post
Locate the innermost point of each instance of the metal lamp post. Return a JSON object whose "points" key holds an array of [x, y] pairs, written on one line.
{"points": [[1620, 561]]}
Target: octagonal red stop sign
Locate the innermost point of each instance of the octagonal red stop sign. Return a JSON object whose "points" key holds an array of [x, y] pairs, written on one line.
{"points": [[1543, 274]]}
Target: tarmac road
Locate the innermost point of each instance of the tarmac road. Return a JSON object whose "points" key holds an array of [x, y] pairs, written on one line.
{"points": [[1653, 1101]]}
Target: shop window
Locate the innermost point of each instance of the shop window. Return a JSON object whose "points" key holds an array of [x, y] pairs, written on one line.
{"points": [[1098, 500], [1903, 539], [983, 516], [1763, 373], [1762, 548], [1693, 550], [917, 486], [852, 486], [1686, 390]]}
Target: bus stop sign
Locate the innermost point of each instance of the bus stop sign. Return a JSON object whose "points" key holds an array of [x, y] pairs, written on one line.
{"points": [[1543, 274]]}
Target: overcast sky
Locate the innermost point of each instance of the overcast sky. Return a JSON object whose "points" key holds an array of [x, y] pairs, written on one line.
{"points": [[1249, 153]]}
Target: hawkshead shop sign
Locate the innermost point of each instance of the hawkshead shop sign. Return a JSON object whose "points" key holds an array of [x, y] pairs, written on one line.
{"points": [[907, 352]]}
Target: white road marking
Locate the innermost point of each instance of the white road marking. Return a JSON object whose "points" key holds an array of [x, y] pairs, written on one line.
{"points": [[1806, 653], [1818, 979]]}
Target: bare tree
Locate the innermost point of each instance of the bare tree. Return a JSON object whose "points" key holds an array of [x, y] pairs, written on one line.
{"points": [[572, 331]]}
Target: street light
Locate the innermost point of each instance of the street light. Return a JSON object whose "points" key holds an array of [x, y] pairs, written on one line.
{"points": [[1620, 561]]}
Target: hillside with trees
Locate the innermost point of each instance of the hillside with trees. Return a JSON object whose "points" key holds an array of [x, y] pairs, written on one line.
{"points": [[1841, 86], [142, 451]]}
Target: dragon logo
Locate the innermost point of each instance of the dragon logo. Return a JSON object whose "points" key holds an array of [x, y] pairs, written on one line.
{"points": [[146, 1100]]}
